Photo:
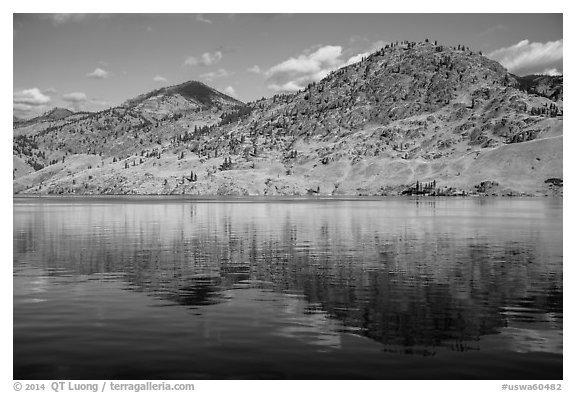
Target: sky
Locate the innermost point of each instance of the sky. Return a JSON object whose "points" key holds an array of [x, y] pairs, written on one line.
{"points": [[95, 61]]}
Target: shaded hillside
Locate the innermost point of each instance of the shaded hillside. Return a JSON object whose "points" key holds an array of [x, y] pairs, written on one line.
{"points": [[407, 114], [551, 87]]}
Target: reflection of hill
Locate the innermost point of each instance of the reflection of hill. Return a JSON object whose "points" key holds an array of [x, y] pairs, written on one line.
{"points": [[438, 274]]}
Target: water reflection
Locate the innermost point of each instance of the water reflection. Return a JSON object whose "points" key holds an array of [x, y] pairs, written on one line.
{"points": [[413, 275]]}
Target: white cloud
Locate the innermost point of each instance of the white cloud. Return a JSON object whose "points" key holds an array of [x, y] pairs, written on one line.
{"points": [[288, 86], [551, 72], [201, 18], [75, 97], [324, 57], [296, 72], [59, 19], [255, 69], [230, 91], [29, 103], [98, 73], [205, 60], [221, 73], [24, 111], [357, 58], [76, 100], [527, 57], [31, 97], [159, 78]]}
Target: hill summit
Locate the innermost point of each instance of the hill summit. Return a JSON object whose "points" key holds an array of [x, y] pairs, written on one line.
{"points": [[194, 91]]}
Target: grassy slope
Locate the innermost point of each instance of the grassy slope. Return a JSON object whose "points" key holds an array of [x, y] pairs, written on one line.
{"points": [[519, 167]]}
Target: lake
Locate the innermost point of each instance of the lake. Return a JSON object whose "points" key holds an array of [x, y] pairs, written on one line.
{"points": [[360, 288]]}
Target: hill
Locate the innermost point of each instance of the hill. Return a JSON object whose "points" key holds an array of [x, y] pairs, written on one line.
{"points": [[52, 115], [410, 118], [195, 92], [551, 87]]}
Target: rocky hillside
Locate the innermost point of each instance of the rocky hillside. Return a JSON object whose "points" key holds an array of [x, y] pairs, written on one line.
{"points": [[412, 118], [551, 87]]}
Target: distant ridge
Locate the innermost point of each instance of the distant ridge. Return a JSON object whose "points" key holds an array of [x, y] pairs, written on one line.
{"points": [[549, 86], [54, 114], [57, 114], [193, 91]]}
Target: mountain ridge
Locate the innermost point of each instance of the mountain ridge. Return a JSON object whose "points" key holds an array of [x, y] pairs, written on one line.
{"points": [[194, 91], [408, 113]]}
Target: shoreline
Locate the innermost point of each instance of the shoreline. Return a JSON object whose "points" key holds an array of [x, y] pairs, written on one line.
{"points": [[189, 197]]}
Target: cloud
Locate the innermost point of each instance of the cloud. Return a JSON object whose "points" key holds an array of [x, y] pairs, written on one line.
{"points": [[296, 72], [221, 73], [98, 73], [59, 19], [324, 57], [230, 91], [76, 100], [255, 69], [28, 103], [31, 97], [79, 101], [527, 57], [206, 59], [551, 72], [357, 58], [288, 86], [75, 97], [200, 18], [24, 111], [159, 78]]}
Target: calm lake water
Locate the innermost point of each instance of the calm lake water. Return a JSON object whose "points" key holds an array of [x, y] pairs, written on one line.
{"points": [[429, 288]]}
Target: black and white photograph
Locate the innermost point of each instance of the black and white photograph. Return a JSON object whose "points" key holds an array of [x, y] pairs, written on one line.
{"points": [[291, 196]]}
